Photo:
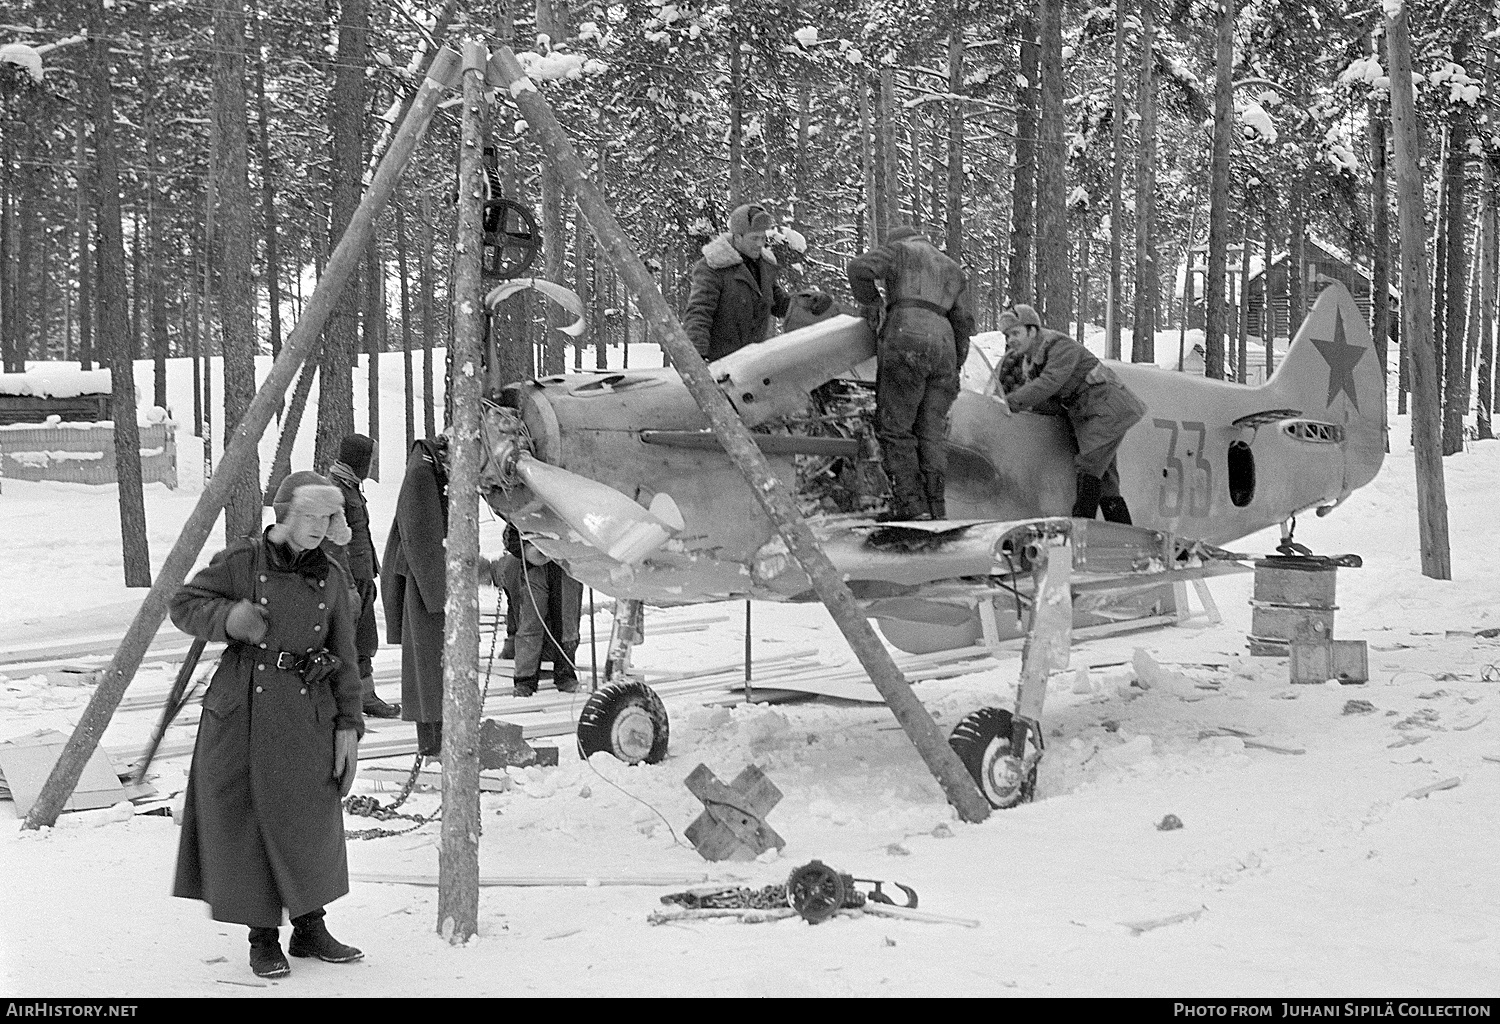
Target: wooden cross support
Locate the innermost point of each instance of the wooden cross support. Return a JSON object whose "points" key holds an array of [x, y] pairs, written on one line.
{"points": [[732, 825]]}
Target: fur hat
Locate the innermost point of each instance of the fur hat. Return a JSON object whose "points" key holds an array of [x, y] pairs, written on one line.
{"points": [[1027, 316], [748, 218], [354, 452], [305, 492], [897, 232], [1008, 319]]}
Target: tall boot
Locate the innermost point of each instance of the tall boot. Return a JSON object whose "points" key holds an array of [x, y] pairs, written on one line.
{"points": [[1086, 504], [266, 958], [564, 668], [1114, 509], [310, 938], [937, 499]]}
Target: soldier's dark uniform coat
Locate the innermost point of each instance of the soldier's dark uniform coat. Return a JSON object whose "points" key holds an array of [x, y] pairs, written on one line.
{"points": [[1100, 408], [413, 582], [262, 824]]}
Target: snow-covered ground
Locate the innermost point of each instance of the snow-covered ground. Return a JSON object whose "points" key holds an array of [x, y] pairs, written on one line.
{"points": [[1305, 865]]}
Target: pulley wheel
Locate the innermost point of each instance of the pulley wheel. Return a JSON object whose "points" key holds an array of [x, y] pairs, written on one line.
{"points": [[815, 891], [511, 239]]}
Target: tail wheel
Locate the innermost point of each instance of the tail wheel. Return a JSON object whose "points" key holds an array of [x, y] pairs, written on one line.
{"points": [[982, 741], [626, 719]]}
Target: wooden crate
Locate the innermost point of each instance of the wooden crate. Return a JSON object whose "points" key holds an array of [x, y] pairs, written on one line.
{"points": [[1285, 623], [1298, 587], [1348, 661]]}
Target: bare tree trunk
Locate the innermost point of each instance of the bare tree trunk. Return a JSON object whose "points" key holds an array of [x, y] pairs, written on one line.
{"points": [[235, 240], [1488, 253], [885, 150], [1054, 281], [85, 256], [582, 243], [194, 333], [1267, 296], [1147, 278], [268, 188], [374, 325], [1024, 181], [1380, 232], [346, 114], [155, 285], [1243, 319], [429, 327], [1218, 197], [736, 122], [1296, 265], [1416, 334], [554, 249], [406, 368], [1112, 306], [114, 321], [873, 203], [1452, 375], [1440, 263], [954, 211]]}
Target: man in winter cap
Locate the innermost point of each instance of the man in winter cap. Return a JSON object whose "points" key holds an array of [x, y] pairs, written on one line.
{"points": [[1058, 371], [735, 292]]}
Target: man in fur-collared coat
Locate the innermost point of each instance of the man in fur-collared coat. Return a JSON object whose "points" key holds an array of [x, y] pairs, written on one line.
{"points": [[735, 292], [413, 585], [278, 742]]}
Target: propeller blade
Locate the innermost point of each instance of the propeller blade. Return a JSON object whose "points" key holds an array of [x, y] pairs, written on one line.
{"points": [[603, 516]]}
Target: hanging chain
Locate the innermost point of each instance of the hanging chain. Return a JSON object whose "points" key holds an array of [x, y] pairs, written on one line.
{"points": [[369, 807]]}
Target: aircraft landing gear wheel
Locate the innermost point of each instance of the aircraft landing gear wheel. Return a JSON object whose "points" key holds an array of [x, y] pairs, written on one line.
{"points": [[626, 719], [816, 891], [982, 741]]}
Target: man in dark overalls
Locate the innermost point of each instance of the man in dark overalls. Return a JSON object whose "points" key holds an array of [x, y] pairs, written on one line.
{"points": [[923, 326]]}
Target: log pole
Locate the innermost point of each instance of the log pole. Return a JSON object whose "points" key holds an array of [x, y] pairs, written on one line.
{"points": [[458, 857], [773, 496], [300, 344], [1416, 306]]}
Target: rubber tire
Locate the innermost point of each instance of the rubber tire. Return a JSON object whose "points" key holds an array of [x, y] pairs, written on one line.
{"points": [[973, 735], [596, 723]]}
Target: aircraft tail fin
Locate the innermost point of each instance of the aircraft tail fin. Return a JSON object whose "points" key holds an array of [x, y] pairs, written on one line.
{"points": [[1332, 374]]}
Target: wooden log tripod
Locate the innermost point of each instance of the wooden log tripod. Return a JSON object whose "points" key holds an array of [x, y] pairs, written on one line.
{"points": [[458, 915]]}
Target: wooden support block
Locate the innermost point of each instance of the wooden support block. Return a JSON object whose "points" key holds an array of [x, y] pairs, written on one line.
{"points": [[732, 825], [1317, 662], [501, 746]]}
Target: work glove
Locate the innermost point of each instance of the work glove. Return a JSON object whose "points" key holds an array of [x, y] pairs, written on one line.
{"points": [[345, 759], [321, 666], [247, 622], [874, 313]]}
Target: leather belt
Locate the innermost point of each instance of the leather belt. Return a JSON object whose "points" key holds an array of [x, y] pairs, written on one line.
{"points": [[920, 304], [286, 661]]}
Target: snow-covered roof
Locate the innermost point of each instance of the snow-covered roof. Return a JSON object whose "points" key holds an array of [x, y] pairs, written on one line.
{"points": [[56, 382]]}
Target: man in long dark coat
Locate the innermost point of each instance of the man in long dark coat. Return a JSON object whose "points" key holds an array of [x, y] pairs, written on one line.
{"points": [[734, 288], [923, 326], [413, 584], [1058, 369], [278, 743], [357, 558]]}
